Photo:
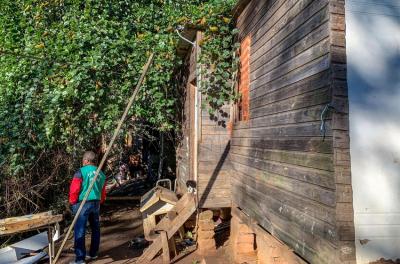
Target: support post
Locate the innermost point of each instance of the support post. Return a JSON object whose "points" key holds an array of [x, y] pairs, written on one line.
{"points": [[165, 247], [51, 244]]}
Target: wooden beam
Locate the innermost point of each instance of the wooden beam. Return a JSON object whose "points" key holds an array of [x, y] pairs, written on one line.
{"points": [[25, 223], [165, 247], [185, 207]]}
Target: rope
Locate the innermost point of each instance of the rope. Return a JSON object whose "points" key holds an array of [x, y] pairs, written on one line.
{"points": [[131, 100]]}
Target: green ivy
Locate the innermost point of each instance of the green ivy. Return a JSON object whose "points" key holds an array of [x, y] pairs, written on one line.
{"points": [[67, 68]]}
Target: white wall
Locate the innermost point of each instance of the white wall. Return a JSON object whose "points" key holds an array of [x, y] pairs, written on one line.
{"points": [[373, 50]]}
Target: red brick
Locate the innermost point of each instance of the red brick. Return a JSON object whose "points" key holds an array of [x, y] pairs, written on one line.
{"points": [[244, 229], [246, 238], [206, 225], [244, 248], [206, 215], [206, 234], [206, 246]]}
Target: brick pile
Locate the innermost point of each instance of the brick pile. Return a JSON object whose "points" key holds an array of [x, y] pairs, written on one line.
{"points": [[242, 242], [205, 236]]}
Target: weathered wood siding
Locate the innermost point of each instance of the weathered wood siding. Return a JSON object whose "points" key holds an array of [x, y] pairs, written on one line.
{"points": [[214, 166], [184, 155], [289, 178], [213, 144]]}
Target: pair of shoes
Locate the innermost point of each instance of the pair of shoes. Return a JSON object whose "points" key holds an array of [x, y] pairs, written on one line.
{"points": [[78, 262], [90, 257]]}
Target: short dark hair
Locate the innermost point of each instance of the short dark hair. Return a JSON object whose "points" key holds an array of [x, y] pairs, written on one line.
{"points": [[90, 156]]}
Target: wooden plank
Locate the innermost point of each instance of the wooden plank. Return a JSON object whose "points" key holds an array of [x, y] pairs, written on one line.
{"points": [[307, 35], [313, 176], [12, 220], [192, 91], [304, 159], [215, 140], [215, 192], [272, 71], [206, 167], [286, 12], [292, 185], [26, 223], [211, 203], [221, 181], [317, 12], [269, 62], [252, 13], [185, 208], [308, 114], [165, 247], [311, 144], [280, 197], [310, 84], [213, 159], [255, 21], [313, 248], [309, 129], [311, 99], [214, 131], [310, 69]]}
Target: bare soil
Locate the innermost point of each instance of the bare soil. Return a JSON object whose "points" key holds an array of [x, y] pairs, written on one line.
{"points": [[120, 223]]}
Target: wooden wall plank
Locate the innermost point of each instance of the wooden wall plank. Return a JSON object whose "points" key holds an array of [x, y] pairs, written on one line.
{"points": [[310, 99], [299, 144], [311, 247], [308, 129], [307, 175], [311, 225], [251, 19], [289, 184], [313, 209], [286, 173], [317, 13], [308, 70], [309, 160]]}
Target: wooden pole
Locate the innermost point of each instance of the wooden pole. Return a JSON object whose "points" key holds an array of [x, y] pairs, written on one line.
{"points": [[131, 100], [50, 238]]}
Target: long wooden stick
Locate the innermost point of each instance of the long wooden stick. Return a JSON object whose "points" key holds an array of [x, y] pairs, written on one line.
{"points": [[121, 121]]}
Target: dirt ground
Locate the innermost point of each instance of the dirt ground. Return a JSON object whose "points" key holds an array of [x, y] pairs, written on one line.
{"points": [[120, 223]]}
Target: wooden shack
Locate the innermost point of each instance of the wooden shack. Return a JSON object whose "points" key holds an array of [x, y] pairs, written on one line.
{"points": [[287, 161], [205, 140], [290, 141]]}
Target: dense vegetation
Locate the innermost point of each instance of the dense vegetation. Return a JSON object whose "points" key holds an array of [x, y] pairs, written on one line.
{"points": [[67, 68]]}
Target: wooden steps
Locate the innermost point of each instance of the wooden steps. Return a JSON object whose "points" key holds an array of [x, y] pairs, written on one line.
{"points": [[168, 226]]}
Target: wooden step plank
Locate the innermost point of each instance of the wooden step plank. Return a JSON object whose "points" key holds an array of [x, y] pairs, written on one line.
{"points": [[185, 208]]}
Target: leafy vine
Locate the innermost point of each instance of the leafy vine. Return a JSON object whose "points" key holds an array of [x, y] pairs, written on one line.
{"points": [[67, 68]]}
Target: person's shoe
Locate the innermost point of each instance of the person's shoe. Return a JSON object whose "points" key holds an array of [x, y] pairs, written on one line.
{"points": [[91, 258], [78, 262]]}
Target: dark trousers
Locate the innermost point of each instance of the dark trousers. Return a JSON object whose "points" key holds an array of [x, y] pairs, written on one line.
{"points": [[90, 212]]}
